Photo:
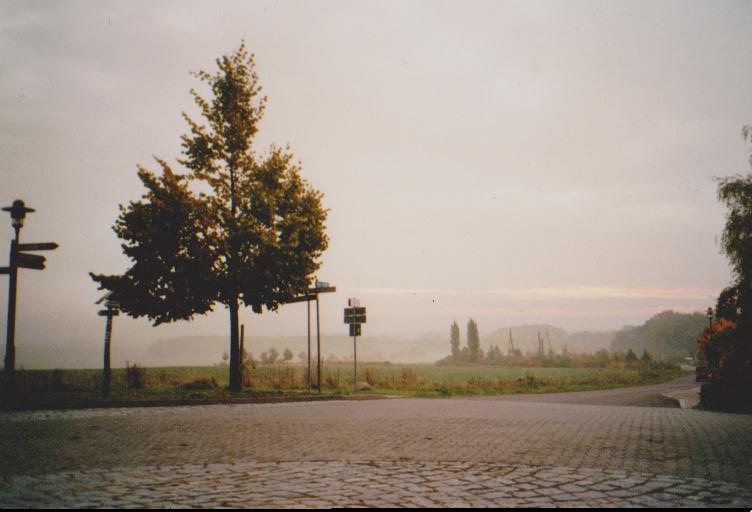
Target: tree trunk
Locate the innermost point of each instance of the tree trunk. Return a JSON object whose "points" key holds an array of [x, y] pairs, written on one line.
{"points": [[236, 380]]}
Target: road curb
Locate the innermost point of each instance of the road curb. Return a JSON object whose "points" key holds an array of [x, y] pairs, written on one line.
{"points": [[686, 398]]}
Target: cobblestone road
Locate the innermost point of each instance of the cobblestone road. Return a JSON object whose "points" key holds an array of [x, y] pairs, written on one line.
{"points": [[463, 452]]}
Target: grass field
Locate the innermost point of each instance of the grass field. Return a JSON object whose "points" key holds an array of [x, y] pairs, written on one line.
{"points": [[210, 382]]}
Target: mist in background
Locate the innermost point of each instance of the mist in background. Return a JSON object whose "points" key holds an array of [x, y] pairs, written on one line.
{"points": [[514, 162]]}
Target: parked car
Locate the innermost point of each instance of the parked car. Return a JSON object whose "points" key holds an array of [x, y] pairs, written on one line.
{"points": [[703, 374]]}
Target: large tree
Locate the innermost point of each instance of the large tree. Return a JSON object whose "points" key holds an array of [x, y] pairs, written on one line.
{"points": [[735, 302], [236, 228], [454, 340], [727, 345], [473, 341]]}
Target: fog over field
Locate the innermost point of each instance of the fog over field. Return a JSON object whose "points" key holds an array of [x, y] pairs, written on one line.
{"points": [[519, 163]]}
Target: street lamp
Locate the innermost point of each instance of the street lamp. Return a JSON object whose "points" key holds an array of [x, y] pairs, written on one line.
{"points": [[17, 214]]}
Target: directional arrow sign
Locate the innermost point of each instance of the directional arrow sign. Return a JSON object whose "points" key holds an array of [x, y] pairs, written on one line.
{"points": [[44, 246], [30, 261]]}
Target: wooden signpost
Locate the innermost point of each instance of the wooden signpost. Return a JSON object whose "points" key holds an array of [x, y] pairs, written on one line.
{"points": [[112, 309]]}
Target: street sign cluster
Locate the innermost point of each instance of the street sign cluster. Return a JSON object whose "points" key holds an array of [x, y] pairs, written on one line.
{"points": [[32, 261], [113, 306], [355, 316]]}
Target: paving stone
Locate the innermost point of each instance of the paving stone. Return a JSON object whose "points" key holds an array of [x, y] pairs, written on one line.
{"points": [[482, 452]]}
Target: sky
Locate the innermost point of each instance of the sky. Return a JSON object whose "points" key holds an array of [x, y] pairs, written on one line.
{"points": [[514, 162]]}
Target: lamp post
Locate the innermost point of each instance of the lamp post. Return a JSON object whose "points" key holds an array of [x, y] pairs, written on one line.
{"points": [[17, 215]]}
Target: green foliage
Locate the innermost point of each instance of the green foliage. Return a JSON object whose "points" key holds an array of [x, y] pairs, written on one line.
{"points": [[253, 235], [454, 339], [667, 335], [473, 341], [84, 386], [135, 376], [201, 383], [727, 344], [735, 192]]}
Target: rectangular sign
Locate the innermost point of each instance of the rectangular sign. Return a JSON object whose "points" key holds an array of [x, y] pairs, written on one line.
{"points": [[32, 261], [108, 312], [44, 246], [328, 289], [4, 270], [354, 329], [355, 319], [355, 311]]}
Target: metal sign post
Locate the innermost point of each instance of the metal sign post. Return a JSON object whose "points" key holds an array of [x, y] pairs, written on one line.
{"points": [[18, 259], [355, 316], [308, 296], [112, 310]]}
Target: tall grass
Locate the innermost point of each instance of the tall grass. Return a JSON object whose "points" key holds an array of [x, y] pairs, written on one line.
{"points": [[417, 380]]}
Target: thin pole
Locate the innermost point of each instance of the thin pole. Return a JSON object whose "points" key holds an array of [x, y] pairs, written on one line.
{"points": [[308, 304], [242, 346], [355, 358], [107, 369], [10, 340], [318, 341]]}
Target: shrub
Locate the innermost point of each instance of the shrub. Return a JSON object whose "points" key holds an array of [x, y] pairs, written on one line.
{"points": [[726, 351], [409, 378], [135, 376], [56, 381], [332, 379], [201, 383]]}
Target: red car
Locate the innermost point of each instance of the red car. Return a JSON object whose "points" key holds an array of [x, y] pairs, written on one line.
{"points": [[703, 374]]}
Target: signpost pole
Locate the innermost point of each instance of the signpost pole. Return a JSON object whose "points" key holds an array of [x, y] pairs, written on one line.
{"points": [[242, 345], [107, 369], [355, 360], [10, 346], [318, 342], [308, 304]]}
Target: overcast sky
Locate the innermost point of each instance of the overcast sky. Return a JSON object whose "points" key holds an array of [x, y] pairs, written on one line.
{"points": [[515, 162]]}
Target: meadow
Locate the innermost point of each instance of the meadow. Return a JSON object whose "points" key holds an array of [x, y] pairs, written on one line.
{"points": [[138, 384]]}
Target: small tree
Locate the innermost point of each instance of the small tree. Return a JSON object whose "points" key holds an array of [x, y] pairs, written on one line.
{"points": [[631, 357], [287, 355], [454, 340], [253, 235], [473, 341]]}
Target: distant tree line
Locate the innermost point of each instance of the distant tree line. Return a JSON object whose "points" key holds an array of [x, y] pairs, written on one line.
{"points": [[667, 335], [472, 353]]}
